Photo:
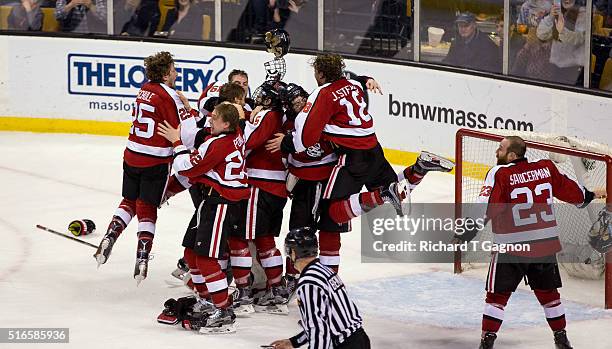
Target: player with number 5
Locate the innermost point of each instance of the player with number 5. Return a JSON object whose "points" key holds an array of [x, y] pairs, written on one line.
{"points": [[146, 160]]}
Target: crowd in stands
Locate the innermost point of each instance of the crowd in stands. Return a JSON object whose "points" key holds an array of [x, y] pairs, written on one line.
{"points": [[546, 38]]}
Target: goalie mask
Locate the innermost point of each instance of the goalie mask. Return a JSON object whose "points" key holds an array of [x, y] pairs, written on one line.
{"points": [[277, 42], [600, 236], [275, 69]]}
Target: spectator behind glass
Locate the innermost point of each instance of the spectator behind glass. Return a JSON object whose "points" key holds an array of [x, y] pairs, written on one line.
{"points": [[471, 48], [565, 25], [26, 16], [122, 12], [80, 16], [532, 60], [184, 21], [515, 43], [144, 21], [532, 12]]}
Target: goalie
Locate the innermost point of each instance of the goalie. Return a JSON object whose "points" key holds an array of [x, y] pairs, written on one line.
{"points": [[518, 195]]}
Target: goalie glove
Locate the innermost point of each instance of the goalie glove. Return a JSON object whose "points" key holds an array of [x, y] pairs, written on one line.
{"points": [[600, 235]]}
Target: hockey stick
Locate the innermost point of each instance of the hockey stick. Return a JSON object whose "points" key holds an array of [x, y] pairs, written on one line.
{"points": [[42, 227]]}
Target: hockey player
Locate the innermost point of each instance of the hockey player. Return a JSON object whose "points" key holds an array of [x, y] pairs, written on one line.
{"points": [[518, 194], [336, 112], [308, 174], [263, 211], [193, 136], [330, 319], [217, 163], [146, 160], [236, 76]]}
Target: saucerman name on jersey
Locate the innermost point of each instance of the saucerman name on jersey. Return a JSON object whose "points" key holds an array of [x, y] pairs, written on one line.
{"points": [[440, 246], [529, 176]]}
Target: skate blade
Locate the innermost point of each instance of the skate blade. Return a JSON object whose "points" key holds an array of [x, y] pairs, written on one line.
{"points": [[279, 309], [138, 279], [101, 260], [406, 203], [444, 162], [244, 310], [179, 273], [225, 329]]}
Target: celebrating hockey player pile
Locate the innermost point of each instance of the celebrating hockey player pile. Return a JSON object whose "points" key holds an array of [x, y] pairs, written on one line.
{"points": [[241, 165]]}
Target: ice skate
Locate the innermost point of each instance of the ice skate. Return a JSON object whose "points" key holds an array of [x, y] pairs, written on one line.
{"points": [[487, 341], [181, 270], [561, 341], [274, 301], [142, 260], [290, 283], [243, 301], [431, 162], [395, 195], [108, 241], [222, 321]]}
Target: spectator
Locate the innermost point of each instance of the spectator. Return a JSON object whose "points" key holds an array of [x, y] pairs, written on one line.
{"points": [[122, 12], [26, 16], [532, 60], [532, 12], [472, 49], [184, 21], [144, 21], [75, 15], [515, 43], [565, 25]]}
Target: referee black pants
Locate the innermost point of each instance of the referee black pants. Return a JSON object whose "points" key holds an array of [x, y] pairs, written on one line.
{"points": [[358, 340]]}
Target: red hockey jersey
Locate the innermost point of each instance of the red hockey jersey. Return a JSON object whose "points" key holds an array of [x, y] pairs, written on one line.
{"points": [[338, 112], [266, 170], [313, 164], [218, 162], [212, 90], [519, 199], [154, 103]]}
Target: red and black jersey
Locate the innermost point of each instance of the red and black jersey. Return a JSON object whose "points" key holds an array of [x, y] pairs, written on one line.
{"points": [[266, 170], [315, 163], [155, 103], [218, 162], [210, 98], [336, 112], [211, 91], [519, 199]]}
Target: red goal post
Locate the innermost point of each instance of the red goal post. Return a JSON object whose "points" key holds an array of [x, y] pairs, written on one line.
{"points": [[462, 177]]}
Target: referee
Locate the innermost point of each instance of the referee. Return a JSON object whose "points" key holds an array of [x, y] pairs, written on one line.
{"points": [[329, 318]]}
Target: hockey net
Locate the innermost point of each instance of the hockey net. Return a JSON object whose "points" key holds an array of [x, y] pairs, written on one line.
{"points": [[589, 163]]}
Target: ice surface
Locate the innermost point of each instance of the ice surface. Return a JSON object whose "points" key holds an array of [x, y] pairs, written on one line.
{"points": [[48, 281]]}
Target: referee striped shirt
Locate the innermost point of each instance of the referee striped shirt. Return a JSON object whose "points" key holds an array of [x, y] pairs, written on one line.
{"points": [[328, 315]]}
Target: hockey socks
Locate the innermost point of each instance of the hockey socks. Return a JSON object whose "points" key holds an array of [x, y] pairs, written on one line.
{"points": [[493, 315], [270, 259], [342, 211], [216, 281], [329, 247], [553, 309], [241, 261]]}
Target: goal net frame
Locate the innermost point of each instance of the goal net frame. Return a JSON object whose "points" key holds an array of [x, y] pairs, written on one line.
{"points": [[469, 133]]}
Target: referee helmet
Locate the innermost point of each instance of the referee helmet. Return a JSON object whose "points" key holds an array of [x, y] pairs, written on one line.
{"points": [[303, 241]]}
